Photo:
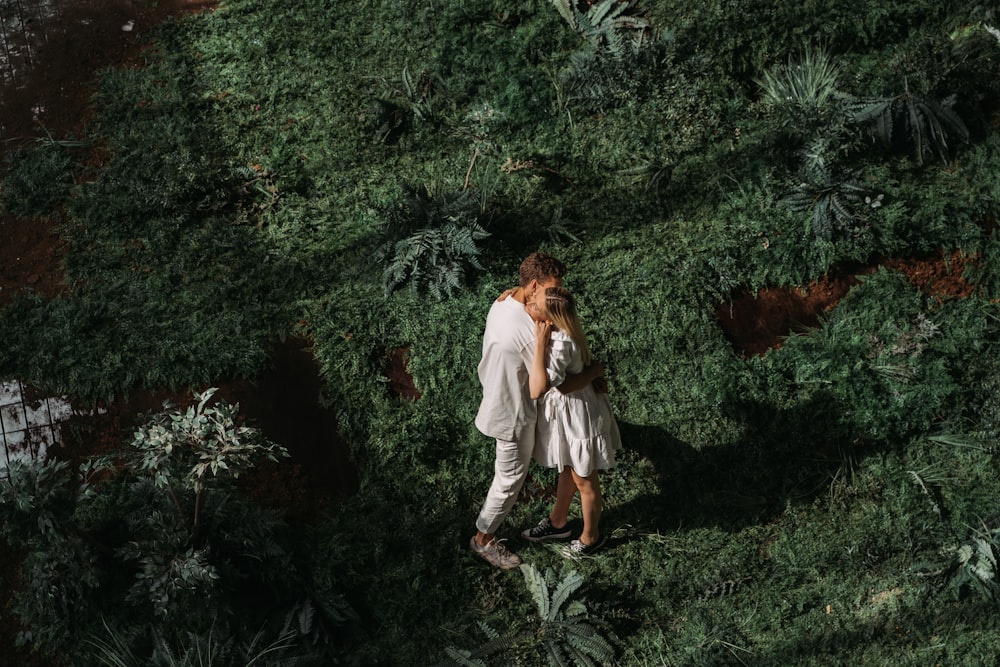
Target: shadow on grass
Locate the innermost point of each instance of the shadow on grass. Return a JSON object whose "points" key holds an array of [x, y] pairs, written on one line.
{"points": [[785, 457]]}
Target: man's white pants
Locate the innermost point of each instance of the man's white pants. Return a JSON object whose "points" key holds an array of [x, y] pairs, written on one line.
{"points": [[509, 472]]}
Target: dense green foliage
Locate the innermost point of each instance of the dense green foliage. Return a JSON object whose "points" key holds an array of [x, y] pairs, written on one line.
{"points": [[160, 554], [282, 167]]}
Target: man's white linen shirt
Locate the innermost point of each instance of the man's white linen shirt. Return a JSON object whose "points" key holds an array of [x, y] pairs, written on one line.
{"points": [[508, 347]]}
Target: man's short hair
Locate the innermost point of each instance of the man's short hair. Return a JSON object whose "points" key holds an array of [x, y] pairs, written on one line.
{"points": [[541, 267]]}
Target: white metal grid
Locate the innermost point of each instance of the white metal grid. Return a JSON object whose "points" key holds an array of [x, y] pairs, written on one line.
{"points": [[22, 32], [28, 427]]}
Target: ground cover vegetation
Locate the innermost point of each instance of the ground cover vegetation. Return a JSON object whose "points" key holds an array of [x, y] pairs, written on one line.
{"points": [[370, 179]]}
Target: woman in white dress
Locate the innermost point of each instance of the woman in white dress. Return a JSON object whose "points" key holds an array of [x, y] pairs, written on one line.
{"points": [[576, 433]]}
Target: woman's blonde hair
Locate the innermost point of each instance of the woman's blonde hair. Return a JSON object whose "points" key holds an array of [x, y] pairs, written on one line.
{"points": [[560, 308]]}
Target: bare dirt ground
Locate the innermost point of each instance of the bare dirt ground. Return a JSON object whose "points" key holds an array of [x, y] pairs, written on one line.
{"points": [[48, 93], [757, 323]]}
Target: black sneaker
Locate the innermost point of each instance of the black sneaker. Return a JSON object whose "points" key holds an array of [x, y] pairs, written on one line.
{"points": [[578, 549], [545, 531]]}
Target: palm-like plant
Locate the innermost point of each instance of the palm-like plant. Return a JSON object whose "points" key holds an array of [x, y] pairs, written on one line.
{"points": [[910, 118], [837, 204], [810, 84], [612, 26], [189, 649], [801, 96]]}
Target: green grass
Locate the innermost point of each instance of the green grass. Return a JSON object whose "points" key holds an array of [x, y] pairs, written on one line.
{"points": [[790, 508]]}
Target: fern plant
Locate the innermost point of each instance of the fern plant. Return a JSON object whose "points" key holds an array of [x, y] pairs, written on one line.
{"points": [[430, 243], [402, 102], [569, 634], [496, 642], [974, 565], [616, 27], [910, 118]]}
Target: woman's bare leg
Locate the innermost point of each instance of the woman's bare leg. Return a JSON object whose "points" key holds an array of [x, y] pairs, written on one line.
{"points": [[592, 503], [565, 490]]}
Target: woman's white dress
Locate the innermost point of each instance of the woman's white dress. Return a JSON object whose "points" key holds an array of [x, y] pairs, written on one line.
{"points": [[576, 429]]}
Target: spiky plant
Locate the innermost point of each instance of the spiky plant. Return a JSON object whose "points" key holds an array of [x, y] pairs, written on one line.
{"points": [[808, 84], [189, 649], [801, 96]]}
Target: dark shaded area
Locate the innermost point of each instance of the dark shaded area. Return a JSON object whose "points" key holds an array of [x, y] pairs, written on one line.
{"points": [[285, 403], [45, 92], [784, 457], [56, 55]]}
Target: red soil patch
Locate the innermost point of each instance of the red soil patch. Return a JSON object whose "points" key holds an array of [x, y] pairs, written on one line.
{"points": [[31, 255], [759, 323], [941, 277], [400, 381]]}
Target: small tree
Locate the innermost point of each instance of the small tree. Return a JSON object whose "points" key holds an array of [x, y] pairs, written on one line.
{"points": [[177, 450]]}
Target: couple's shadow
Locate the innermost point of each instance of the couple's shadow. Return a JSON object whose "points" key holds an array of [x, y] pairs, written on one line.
{"points": [[782, 457]]}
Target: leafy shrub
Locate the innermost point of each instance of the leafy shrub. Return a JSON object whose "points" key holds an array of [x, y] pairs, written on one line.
{"points": [[36, 498], [61, 577]]}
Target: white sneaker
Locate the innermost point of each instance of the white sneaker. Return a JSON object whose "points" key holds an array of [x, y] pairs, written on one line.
{"points": [[495, 553]]}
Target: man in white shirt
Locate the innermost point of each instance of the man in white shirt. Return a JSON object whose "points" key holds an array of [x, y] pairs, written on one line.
{"points": [[507, 411]]}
